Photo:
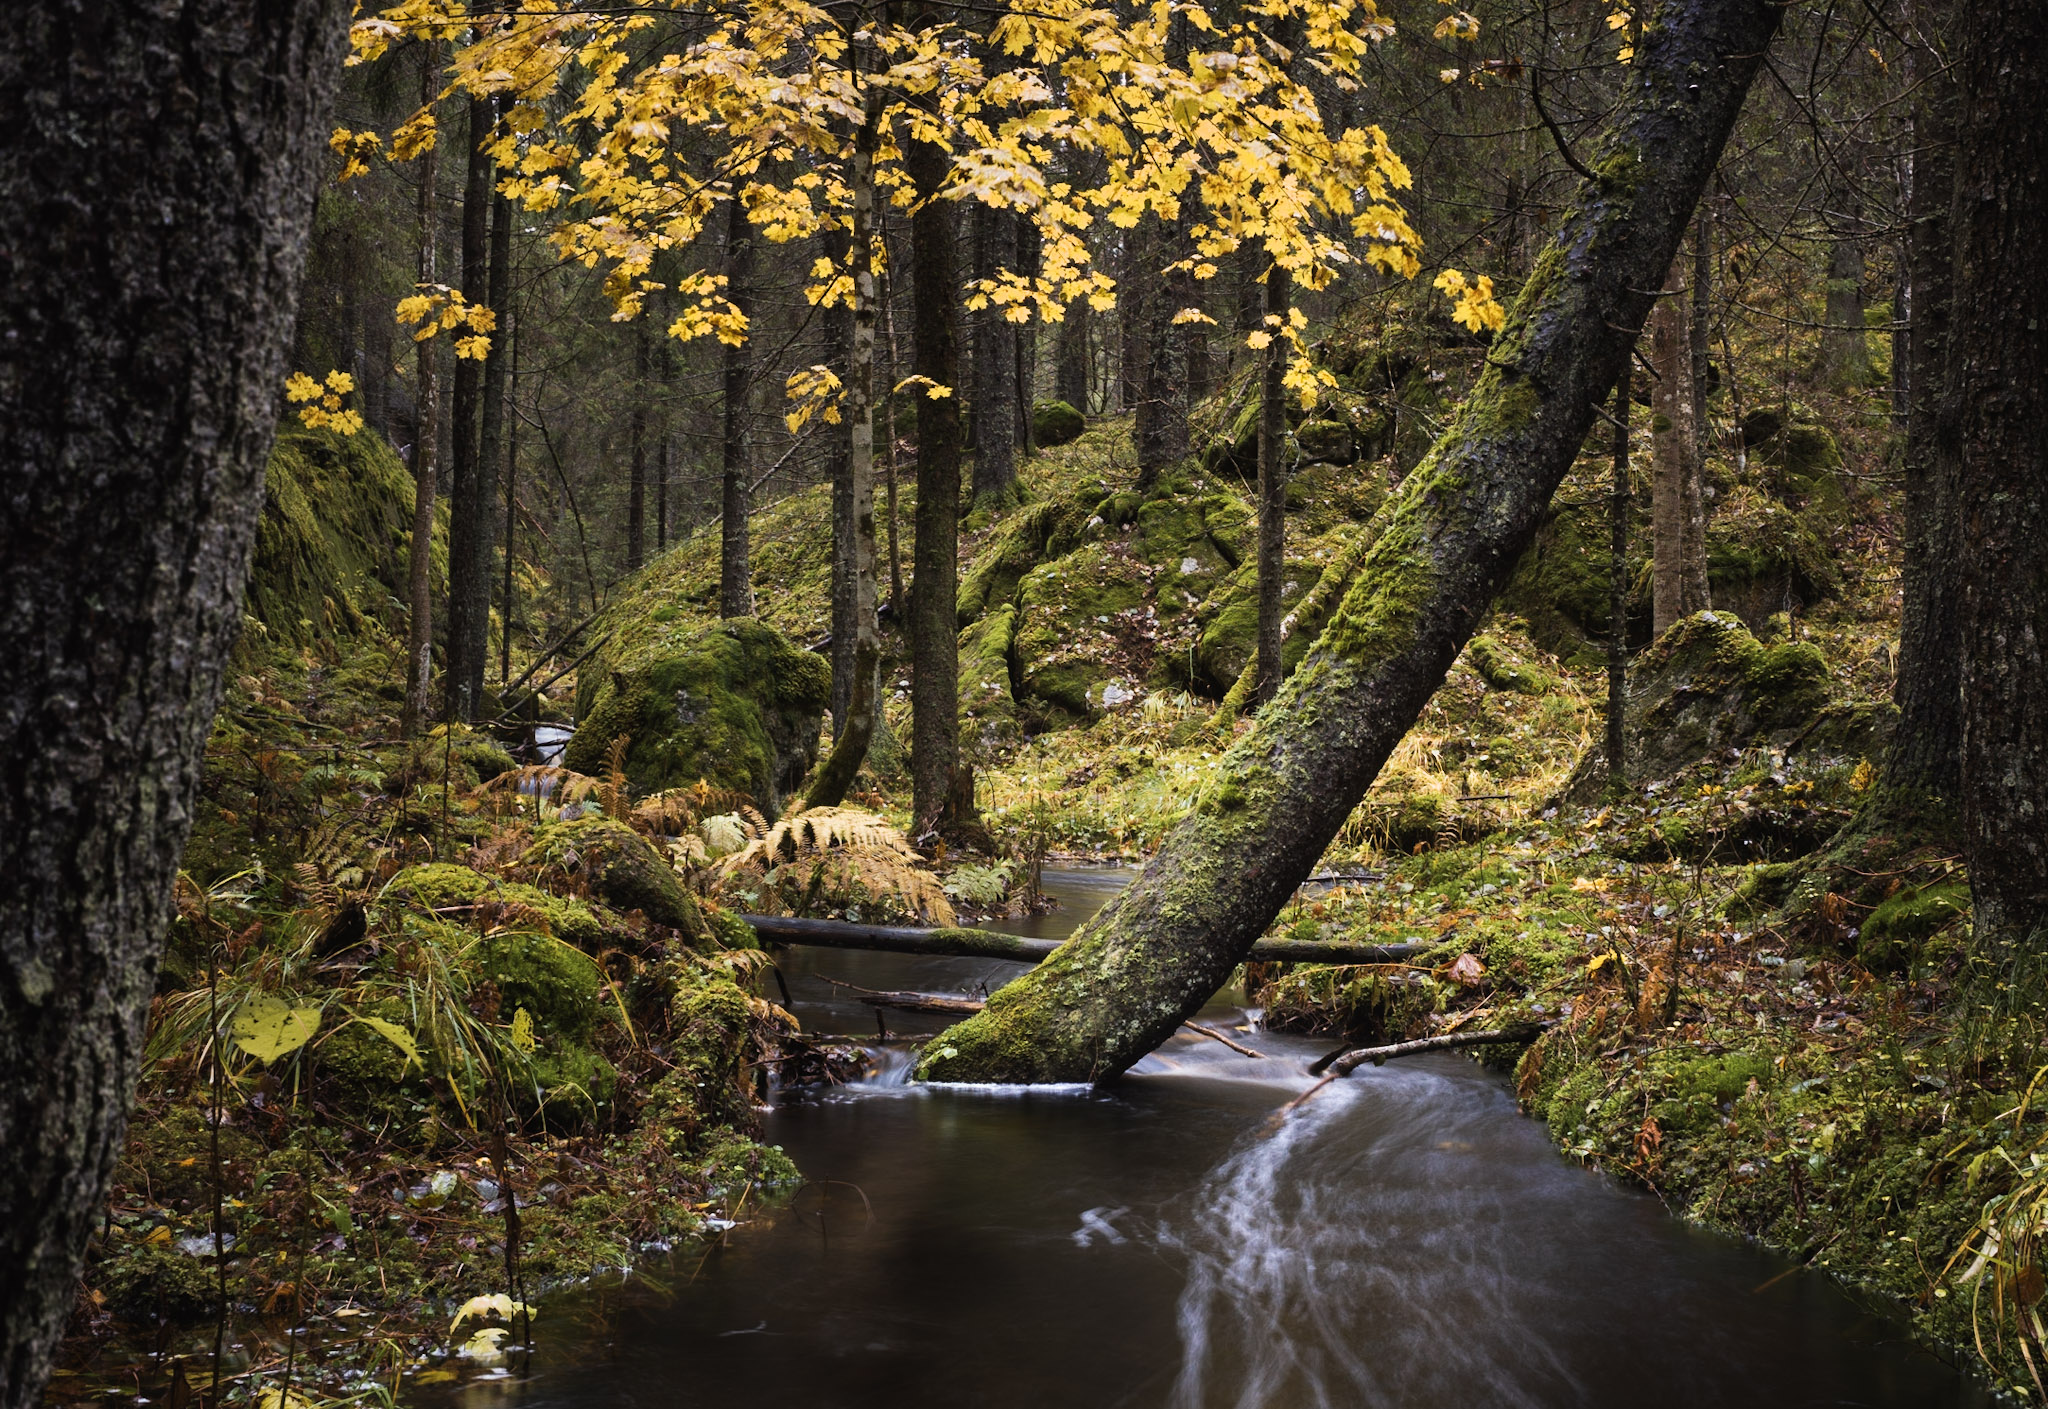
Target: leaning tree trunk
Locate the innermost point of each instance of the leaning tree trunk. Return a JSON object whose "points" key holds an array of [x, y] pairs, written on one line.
{"points": [[1995, 408], [935, 357], [156, 185], [1441, 550]]}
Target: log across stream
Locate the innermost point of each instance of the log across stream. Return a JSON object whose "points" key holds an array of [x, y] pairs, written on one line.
{"points": [[1406, 1238]]}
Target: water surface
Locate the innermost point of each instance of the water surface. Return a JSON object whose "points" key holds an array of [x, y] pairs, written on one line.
{"points": [[1405, 1239]]}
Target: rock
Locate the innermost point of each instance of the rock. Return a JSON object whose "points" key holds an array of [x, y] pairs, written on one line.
{"points": [[737, 704], [1055, 423], [618, 866], [1704, 687], [1328, 442]]}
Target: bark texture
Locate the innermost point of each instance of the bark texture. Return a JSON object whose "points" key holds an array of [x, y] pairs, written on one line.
{"points": [[1439, 553], [156, 184], [426, 444], [854, 721], [1995, 409], [472, 502], [735, 575], [1678, 530], [995, 369], [934, 632], [1272, 554]]}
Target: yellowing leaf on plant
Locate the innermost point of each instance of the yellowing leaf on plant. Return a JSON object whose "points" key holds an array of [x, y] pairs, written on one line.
{"points": [[522, 1030], [397, 1036], [1598, 962], [274, 1398], [268, 1028]]}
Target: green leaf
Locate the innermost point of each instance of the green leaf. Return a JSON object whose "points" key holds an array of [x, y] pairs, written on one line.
{"points": [[268, 1028], [397, 1036]]}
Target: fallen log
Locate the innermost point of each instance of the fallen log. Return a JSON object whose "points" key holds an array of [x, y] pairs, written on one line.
{"points": [[988, 944], [908, 1001], [911, 1002], [1342, 1062]]}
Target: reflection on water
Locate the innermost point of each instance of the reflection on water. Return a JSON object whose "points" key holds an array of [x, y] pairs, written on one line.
{"points": [[1404, 1239]]}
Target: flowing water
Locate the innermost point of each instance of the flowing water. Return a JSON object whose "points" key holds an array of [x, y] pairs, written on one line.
{"points": [[1405, 1239]]}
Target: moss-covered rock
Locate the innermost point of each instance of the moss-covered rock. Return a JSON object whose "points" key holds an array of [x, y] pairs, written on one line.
{"points": [[1327, 442], [1705, 686], [1504, 669], [439, 887], [1055, 423], [333, 540], [1891, 936], [988, 706], [738, 704], [711, 1026], [618, 866], [1076, 629]]}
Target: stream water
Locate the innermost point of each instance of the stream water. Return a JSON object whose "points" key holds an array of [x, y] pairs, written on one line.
{"points": [[1405, 1239]]}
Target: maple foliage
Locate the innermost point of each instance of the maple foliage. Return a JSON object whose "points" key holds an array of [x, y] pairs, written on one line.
{"points": [[633, 125]]}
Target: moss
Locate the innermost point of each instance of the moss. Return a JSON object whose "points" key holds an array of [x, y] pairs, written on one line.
{"points": [[438, 886], [1027, 539], [148, 1281], [1365, 1006], [1498, 666], [988, 707], [1892, 934], [1786, 684], [333, 540], [712, 1025], [556, 984], [1072, 630], [1055, 423], [737, 704], [620, 867], [1327, 442]]}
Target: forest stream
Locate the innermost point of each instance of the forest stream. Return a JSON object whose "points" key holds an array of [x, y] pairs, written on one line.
{"points": [[1405, 1238]]}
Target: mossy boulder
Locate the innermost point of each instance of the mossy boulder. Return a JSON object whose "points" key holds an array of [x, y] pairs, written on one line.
{"points": [[711, 1038], [558, 987], [1327, 442], [1705, 686], [438, 887], [1892, 935], [1055, 423], [1502, 667], [1230, 632], [333, 539], [737, 704], [1078, 627], [618, 866], [1040, 531]]}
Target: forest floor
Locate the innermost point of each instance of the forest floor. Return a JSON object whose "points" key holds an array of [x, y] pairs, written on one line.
{"points": [[1823, 1086]]}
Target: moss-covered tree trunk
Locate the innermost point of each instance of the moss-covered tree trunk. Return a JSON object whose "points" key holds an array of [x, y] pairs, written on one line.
{"points": [[1996, 409], [156, 185], [935, 356], [1441, 550]]}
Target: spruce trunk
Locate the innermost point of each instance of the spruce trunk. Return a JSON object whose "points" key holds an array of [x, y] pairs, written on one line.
{"points": [[1441, 550], [1995, 409], [156, 188], [735, 576], [472, 520]]}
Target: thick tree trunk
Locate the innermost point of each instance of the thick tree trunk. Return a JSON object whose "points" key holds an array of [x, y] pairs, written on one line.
{"points": [[1996, 407], [1070, 375], [854, 723], [935, 356], [735, 574], [1272, 555], [471, 502], [995, 369], [1678, 548], [1921, 771], [1030, 262], [511, 556], [1440, 552], [156, 184], [426, 447]]}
